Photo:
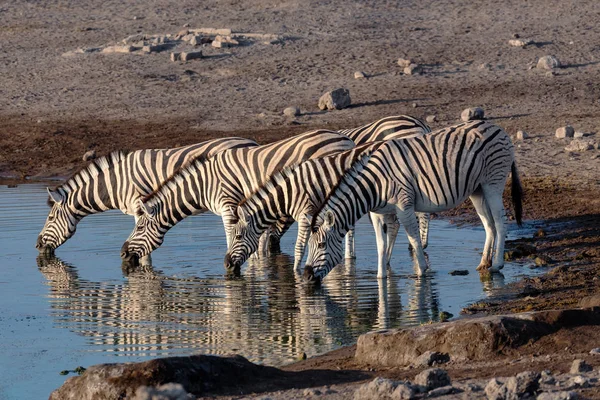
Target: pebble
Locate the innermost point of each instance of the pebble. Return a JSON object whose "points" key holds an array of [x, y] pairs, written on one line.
{"points": [[548, 62], [291, 112], [595, 351], [89, 155], [337, 99], [524, 382], [542, 260], [577, 145], [431, 118], [192, 55], [404, 62], [522, 135], [359, 75], [432, 378], [413, 69], [414, 105], [580, 366], [472, 114], [564, 132], [578, 134], [558, 396], [519, 42]]}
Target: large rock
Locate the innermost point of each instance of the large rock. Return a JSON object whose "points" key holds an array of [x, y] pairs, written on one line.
{"points": [[548, 62], [472, 114], [466, 339], [335, 100], [581, 145], [196, 374], [565, 132]]}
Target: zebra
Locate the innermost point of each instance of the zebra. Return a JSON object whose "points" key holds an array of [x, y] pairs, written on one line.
{"points": [[218, 184], [116, 181], [428, 173], [298, 191]]}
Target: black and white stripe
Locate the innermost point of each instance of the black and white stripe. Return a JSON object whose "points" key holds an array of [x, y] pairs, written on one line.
{"points": [[117, 181], [218, 184], [430, 173]]}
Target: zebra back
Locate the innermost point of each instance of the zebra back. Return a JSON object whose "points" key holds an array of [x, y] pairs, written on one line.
{"points": [[392, 127]]}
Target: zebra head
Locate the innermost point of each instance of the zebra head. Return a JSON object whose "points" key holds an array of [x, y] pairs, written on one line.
{"points": [[244, 241], [325, 249], [60, 225], [147, 235]]}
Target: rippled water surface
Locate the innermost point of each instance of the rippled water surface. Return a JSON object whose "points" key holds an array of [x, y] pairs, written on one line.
{"points": [[80, 308]]}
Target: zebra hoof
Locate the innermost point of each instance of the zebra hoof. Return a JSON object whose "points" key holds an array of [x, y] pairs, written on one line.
{"points": [[484, 267]]}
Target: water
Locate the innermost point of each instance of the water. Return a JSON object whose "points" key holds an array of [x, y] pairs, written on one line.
{"points": [[82, 309]]}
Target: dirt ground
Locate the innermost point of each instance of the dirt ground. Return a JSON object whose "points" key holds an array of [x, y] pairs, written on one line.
{"points": [[58, 104]]}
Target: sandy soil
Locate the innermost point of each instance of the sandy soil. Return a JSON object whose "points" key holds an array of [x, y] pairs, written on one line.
{"points": [[56, 107]]}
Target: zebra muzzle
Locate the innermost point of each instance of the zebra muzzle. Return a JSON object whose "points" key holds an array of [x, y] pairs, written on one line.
{"points": [[230, 265], [309, 275], [127, 256], [42, 247]]}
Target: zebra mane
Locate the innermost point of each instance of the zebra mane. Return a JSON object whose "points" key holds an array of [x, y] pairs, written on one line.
{"points": [[177, 177], [360, 159], [274, 180], [89, 171]]}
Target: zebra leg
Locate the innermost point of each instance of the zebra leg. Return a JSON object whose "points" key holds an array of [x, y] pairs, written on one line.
{"points": [[408, 218], [381, 235], [393, 226], [299, 249], [487, 220], [493, 198], [350, 254], [263, 245], [424, 228]]}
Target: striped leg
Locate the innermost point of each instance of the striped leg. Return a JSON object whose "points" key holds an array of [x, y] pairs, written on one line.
{"points": [[488, 224], [424, 228], [303, 234], [263, 245], [393, 226], [350, 254], [408, 218], [493, 198], [380, 227]]}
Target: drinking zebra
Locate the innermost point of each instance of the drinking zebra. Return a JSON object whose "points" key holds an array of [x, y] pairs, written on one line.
{"points": [[297, 192], [117, 181], [430, 173], [218, 184]]}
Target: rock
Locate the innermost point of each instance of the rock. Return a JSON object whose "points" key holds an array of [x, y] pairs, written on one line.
{"points": [[580, 366], [335, 100], [595, 351], [522, 135], [442, 391], [539, 233], [542, 260], [212, 31], [495, 390], [546, 378], [359, 75], [404, 62], [472, 114], [578, 381], [89, 155], [198, 374], [155, 48], [414, 105], [384, 389], [413, 69], [196, 40], [138, 37], [524, 383], [224, 41], [558, 396], [192, 55], [459, 272], [169, 391], [432, 378], [578, 134], [445, 316], [311, 392], [548, 62], [431, 118], [564, 132], [466, 339], [118, 49], [519, 42], [578, 145], [291, 112], [428, 358], [175, 56]]}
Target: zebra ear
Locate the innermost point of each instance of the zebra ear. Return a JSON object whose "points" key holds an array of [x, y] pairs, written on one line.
{"points": [[243, 215], [55, 196], [329, 218], [143, 208]]}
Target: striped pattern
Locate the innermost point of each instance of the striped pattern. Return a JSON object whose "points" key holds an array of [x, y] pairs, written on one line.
{"points": [[393, 127], [117, 181], [220, 183], [430, 173]]}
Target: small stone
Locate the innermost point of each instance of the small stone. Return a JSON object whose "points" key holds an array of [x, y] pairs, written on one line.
{"points": [[485, 66], [311, 392], [548, 62], [175, 56], [118, 49], [580, 366], [359, 75], [546, 378], [428, 358], [577, 382], [431, 118], [381, 388], [413, 69], [558, 396], [441, 391], [192, 55], [218, 44], [291, 112], [472, 114], [432, 378], [516, 36], [495, 390], [186, 25], [565, 132], [578, 145], [578, 134], [404, 62], [522, 135], [525, 382], [337, 99], [459, 272], [445, 316], [414, 105], [542, 260], [89, 155], [595, 350], [302, 356], [196, 40], [155, 48]]}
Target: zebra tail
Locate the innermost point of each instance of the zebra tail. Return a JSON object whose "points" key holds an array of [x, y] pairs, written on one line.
{"points": [[517, 194]]}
